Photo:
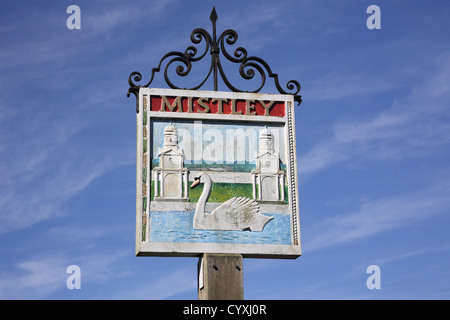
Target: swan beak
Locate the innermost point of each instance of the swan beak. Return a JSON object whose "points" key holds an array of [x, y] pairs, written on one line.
{"points": [[195, 183]]}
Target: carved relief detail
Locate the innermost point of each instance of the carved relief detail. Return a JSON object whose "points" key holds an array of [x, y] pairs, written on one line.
{"points": [[144, 169], [292, 171]]}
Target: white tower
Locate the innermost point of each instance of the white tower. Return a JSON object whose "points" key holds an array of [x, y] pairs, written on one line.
{"points": [[171, 177], [267, 179]]}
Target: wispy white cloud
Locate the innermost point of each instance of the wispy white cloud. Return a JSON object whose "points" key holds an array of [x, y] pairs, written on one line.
{"points": [[164, 286], [44, 196], [46, 162], [412, 127], [112, 16], [375, 216], [33, 278], [342, 83], [46, 156], [40, 277], [41, 270]]}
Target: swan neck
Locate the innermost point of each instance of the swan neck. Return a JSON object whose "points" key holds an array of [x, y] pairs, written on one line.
{"points": [[206, 191], [201, 204]]}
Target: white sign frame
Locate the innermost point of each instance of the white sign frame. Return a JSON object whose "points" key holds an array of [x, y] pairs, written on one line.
{"points": [[149, 207]]}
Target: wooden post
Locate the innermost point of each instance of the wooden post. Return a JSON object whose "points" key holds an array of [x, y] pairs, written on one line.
{"points": [[220, 277]]}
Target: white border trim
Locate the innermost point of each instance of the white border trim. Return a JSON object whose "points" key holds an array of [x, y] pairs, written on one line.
{"points": [[147, 248]]}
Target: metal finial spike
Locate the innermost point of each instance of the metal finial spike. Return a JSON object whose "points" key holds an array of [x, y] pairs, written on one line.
{"points": [[213, 16]]}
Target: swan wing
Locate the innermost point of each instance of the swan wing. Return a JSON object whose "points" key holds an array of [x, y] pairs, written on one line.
{"points": [[237, 210]]}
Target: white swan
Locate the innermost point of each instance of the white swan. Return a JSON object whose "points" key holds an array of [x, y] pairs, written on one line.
{"points": [[238, 213]]}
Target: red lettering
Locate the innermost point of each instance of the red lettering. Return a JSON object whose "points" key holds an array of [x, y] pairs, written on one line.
{"points": [[218, 106]]}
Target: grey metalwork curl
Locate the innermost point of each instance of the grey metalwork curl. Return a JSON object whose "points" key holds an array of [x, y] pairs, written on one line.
{"points": [[249, 66]]}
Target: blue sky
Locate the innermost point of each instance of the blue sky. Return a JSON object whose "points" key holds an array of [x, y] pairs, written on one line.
{"points": [[373, 143]]}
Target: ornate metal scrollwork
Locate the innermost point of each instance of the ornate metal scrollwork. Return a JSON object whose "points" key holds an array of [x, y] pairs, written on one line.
{"points": [[249, 66]]}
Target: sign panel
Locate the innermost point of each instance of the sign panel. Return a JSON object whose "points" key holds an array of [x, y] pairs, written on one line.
{"points": [[216, 173]]}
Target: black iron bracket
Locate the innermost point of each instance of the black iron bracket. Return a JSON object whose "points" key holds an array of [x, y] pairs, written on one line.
{"points": [[215, 46]]}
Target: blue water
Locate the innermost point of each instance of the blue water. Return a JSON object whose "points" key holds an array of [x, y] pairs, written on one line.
{"points": [[176, 226]]}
